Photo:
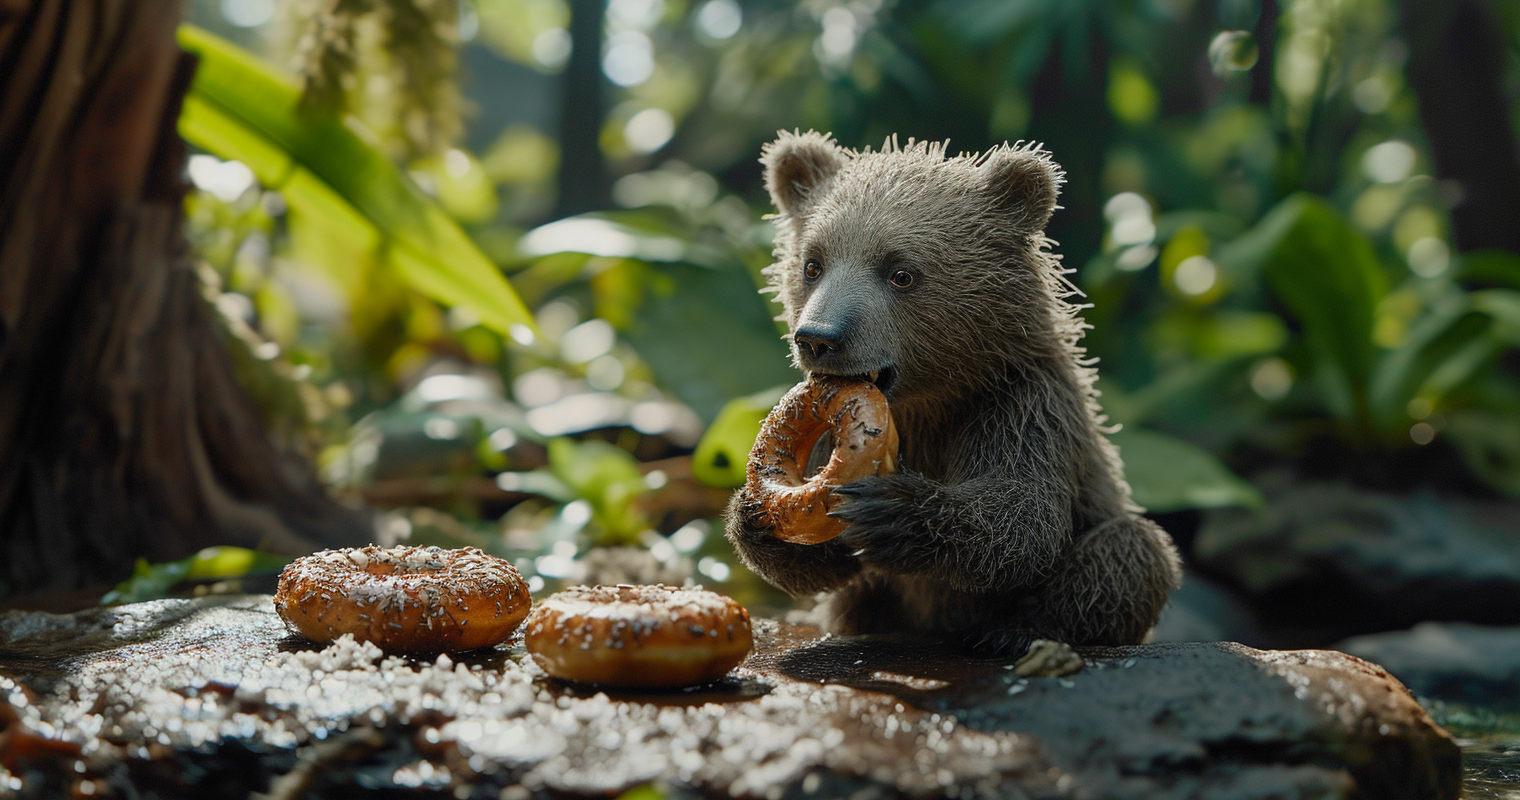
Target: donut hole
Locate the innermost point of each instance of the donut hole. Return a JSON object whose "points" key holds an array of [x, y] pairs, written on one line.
{"points": [[822, 451]]}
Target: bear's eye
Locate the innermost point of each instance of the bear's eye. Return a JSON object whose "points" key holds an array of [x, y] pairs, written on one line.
{"points": [[902, 279], [812, 269]]}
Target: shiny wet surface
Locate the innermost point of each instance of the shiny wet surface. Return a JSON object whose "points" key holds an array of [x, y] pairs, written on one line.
{"points": [[186, 698]]}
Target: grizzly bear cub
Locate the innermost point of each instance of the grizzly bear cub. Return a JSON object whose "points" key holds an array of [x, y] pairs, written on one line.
{"points": [[1009, 519]]}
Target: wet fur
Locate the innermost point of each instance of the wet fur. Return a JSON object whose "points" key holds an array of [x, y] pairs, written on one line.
{"points": [[1009, 519]]}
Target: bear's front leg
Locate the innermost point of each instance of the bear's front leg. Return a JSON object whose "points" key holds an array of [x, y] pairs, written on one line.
{"points": [[797, 569], [977, 536], [887, 516]]}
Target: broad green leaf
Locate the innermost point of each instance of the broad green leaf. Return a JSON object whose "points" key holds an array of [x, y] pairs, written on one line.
{"points": [[214, 563], [1169, 474], [1326, 274], [708, 338], [722, 455], [326, 167], [1236, 334], [690, 311], [1220, 335], [1174, 391]]}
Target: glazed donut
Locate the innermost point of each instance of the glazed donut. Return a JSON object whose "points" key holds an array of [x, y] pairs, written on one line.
{"points": [[638, 636], [405, 599], [864, 442]]}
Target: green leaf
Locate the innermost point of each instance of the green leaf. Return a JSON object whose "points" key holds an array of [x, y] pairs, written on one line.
{"points": [[707, 336], [1403, 372], [154, 581], [1237, 334], [1169, 474], [722, 455], [1220, 335], [1503, 305], [1176, 391], [1327, 275], [646, 792], [608, 478], [1499, 267], [594, 235], [1449, 347], [460, 183], [324, 166], [691, 312], [541, 482]]}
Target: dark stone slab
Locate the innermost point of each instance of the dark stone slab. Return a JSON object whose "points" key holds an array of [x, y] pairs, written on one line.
{"points": [[1452, 661], [1347, 560], [211, 698]]}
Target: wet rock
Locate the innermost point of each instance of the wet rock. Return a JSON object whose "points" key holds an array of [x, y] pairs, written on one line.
{"points": [[191, 698], [1455, 662], [1356, 561]]}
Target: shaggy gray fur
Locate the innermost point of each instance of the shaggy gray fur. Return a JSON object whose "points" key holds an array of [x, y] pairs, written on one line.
{"points": [[1009, 519]]}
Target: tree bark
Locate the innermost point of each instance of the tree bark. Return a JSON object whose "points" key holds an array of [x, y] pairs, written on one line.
{"points": [[1263, 75], [1456, 68], [123, 430], [583, 184]]}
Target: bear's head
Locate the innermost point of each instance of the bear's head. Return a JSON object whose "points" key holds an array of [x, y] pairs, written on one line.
{"points": [[921, 272]]}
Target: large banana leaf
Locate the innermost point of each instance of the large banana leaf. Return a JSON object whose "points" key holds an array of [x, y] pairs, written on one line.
{"points": [[328, 169]]}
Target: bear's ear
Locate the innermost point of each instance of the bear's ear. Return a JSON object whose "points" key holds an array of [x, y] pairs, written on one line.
{"points": [[796, 166], [1023, 182]]}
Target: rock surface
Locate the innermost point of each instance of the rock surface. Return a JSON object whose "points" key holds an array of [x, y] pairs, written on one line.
{"points": [[211, 698], [1359, 561], [1455, 662]]}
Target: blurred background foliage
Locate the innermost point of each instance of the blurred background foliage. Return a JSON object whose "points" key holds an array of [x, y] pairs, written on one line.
{"points": [[1280, 275]]}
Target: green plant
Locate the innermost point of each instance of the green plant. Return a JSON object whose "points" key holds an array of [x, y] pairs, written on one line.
{"points": [[155, 581], [326, 171]]}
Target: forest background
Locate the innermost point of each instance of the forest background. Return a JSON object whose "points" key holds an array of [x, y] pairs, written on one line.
{"points": [[1293, 226]]}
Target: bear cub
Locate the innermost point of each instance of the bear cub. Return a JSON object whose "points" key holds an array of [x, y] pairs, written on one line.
{"points": [[1009, 520]]}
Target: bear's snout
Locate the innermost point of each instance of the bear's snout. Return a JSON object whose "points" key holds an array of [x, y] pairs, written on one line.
{"points": [[843, 330], [816, 342]]}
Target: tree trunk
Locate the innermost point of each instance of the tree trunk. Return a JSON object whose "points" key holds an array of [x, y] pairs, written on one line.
{"points": [[123, 430], [1456, 68], [582, 170]]}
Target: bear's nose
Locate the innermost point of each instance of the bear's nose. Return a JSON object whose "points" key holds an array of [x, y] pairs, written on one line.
{"points": [[816, 340]]}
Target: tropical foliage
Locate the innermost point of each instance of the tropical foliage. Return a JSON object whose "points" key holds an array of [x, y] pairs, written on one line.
{"points": [[1252, 212]]}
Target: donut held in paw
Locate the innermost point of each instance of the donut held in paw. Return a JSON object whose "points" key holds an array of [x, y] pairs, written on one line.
{"points": [[844, 420], [419, 600], [656, 637]]}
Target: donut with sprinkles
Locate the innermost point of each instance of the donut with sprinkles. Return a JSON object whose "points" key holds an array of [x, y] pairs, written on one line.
{"points": [[411, 600], [842, 427], [653, 637]]}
